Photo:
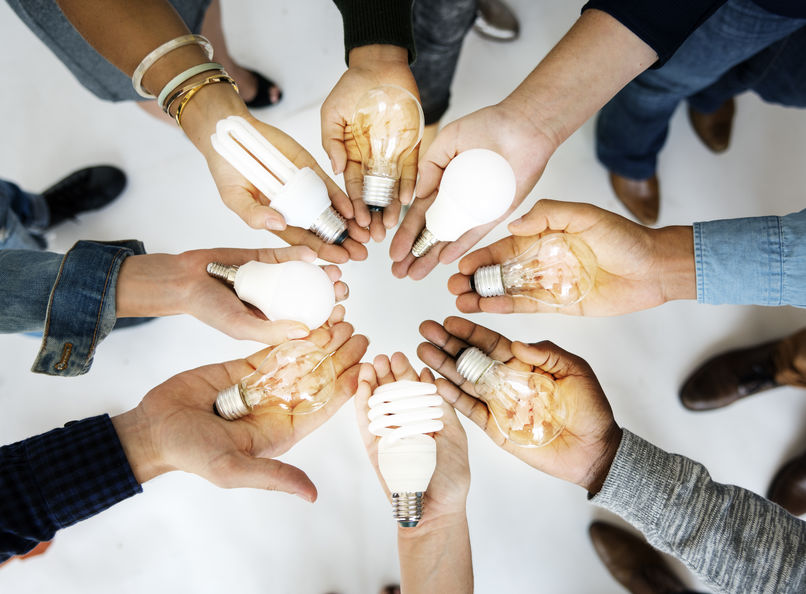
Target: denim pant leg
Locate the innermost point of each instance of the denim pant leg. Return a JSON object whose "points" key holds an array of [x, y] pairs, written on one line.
{"points": [[23, 218], [632, 127], [440, 27], [777, 74]]}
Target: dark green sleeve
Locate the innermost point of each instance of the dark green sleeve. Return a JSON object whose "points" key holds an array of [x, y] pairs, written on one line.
{"points": [[367, 22]]}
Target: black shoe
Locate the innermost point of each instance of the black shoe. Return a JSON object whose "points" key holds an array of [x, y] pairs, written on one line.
{"points": [[262, 96], [86, 189]]}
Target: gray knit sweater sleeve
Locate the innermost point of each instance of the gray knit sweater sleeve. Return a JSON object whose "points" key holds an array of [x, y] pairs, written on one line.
{"points": [[731, 538]]}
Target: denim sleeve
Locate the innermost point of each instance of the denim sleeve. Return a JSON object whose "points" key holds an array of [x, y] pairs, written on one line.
{"points": [[732, 539], [752, 261], [56, 479]]}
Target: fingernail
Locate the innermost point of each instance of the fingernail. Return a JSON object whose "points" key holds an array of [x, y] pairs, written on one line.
{"points": [[298, 333], [346, 291], [274, 225]]}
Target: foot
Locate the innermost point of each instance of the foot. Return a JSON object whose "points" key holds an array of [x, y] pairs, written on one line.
{"points": [[714, 128], [496, 21], [632, 561], [726, 378], [640, 196], [788, 487], [86, 189], [255, 89]]}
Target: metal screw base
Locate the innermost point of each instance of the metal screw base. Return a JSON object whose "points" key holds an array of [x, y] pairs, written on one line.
{"points": [[488, 281], [378, 191], [472, 364], [230, 404], [424, 243], [224, 272], [330, 227], [407, 508]]}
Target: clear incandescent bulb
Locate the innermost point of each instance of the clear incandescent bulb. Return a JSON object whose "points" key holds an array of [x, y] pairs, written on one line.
{"points": [[477, 187], [298, 291], [526, 406], [558, 269], [387, 125], [296, 377], [299, 195], [401, 413]]}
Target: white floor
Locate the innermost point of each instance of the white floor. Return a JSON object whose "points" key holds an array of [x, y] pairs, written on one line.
{"points": [[528, 530]]}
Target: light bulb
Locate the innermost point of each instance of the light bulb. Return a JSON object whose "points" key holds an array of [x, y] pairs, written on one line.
{"points": [[526, 406], [558, 269], [477, 187], [299, 195], [296, 377], [298, 291], [386, 126], [401, 413]]}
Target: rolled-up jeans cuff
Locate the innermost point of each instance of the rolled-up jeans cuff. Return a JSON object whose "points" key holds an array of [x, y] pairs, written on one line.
{"points": [[81, 308]]}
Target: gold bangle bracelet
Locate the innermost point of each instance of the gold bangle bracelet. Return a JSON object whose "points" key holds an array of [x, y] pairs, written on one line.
{"points": [[210, 80], [168, 104]]}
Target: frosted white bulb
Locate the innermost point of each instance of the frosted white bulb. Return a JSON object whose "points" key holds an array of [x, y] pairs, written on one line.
{"points": [[299, 195], [298, 291], [401, 413], [387, 125], [477, 187]]}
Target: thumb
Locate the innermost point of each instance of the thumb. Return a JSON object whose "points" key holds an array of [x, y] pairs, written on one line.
{"points": [[546, 356], [250, 327], [333, 143], [243, 470], [253, 213]]}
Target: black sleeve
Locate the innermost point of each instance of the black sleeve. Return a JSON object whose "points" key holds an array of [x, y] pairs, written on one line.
{"points": [[662, 24], [368, 22]]}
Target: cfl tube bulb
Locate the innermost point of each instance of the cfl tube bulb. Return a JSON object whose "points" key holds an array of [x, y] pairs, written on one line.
{"points": [[401, 413], [526, 406], [386, 126], [558, 269], [299, 195], [477, 187], [296, 377], [298, 291]]}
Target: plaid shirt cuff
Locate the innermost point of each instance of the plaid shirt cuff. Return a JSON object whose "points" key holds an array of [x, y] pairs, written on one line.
{"points": [[61, 477]]}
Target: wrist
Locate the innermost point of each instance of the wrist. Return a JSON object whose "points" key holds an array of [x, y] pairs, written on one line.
{"points": [[526, 121], [135, 433], [211, 104], [674, 255], [602, 460], [432, 528], [149, 285], [377, 55]]}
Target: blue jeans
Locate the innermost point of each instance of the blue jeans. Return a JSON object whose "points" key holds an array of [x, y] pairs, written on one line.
{"points": [[740, 47], [440, 27], [23, 218]]}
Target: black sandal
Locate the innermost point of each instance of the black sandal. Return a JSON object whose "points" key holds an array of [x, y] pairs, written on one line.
{"points": [[262, 97]]}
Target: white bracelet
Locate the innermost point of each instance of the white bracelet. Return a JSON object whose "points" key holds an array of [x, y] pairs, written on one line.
{"points": [[165, 48]]}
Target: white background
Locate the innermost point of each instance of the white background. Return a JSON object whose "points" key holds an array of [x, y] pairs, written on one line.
{"points": [[528, 530]]}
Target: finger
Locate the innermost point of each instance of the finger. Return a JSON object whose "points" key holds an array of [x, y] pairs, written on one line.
{"points": [[459, 284], [455, 249], [490, 342], [473, 408], [383, 369], [289, 254], [426, 376], [548, 357], [256, 215], [468, 303], [391, 214], [437, 334], [354, 183], [495, 253], [248, 327], [376, 228], [408, 177], [333, 272], [241, 470], [357, 232], [444, 364], [349, 354], [356, 250], [366, 374], [421, 267], [554, 215], [333, 139], [342, 291], [401, 269], [433, 164], [402, 369], [410, 228]]}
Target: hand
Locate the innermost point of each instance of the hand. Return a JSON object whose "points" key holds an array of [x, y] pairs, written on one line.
{"points": [[370, 66], [447, 492], [584, 450], [500, 128], [638, 267], [175, 428], [163, 284]]}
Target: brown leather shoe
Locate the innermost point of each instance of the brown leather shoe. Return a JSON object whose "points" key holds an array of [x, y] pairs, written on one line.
{"points": [[788, 487], [726, 378], [632, 561], [640, 196], [714, 128]]}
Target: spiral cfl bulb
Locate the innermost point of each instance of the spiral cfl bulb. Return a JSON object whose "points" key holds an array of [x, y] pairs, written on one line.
{"points": [[526, 406], [296, 290], [299, 195], [477, 187], [296, 377], [558, 269], [401, 413], [387, 125]]}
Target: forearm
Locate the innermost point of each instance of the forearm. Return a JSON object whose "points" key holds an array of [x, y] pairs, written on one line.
{"points": [[438, 560], [590, 64], [674, 253], [731, 538], [59, 478]]}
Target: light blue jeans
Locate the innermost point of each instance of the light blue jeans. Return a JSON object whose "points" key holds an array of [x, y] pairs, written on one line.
{"points": [[23, 218], [740, 47]]}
